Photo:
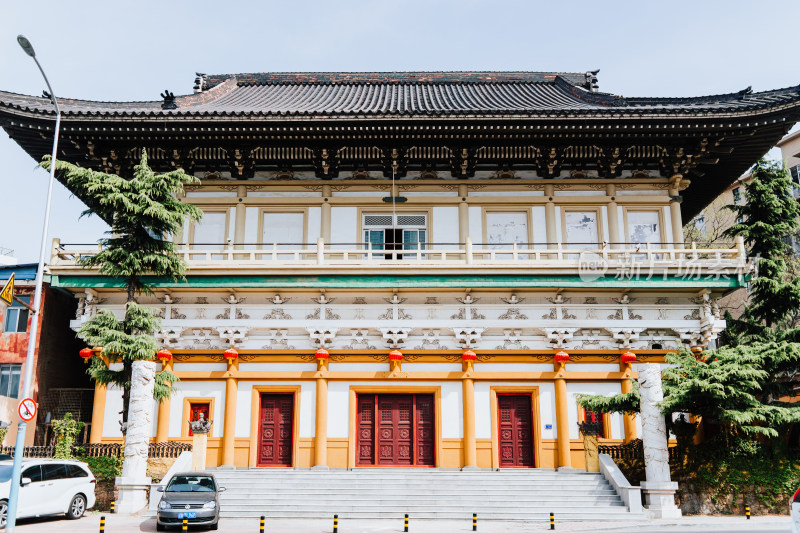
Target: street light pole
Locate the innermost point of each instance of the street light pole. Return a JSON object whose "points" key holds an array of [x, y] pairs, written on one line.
{"points": [[19, 448]]}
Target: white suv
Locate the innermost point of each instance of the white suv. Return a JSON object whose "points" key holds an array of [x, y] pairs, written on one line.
{"points": [[48, 486]]}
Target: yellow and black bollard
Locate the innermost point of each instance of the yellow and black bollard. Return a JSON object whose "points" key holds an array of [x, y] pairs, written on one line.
{"points": [[405, 529], [185, 526], [552, 521], [102, 524], [747, 511], [112, 506], [261, 526], [474, 521], [336, 523]]}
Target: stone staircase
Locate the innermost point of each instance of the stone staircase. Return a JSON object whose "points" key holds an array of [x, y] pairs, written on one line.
{"points": [[424, 494]]}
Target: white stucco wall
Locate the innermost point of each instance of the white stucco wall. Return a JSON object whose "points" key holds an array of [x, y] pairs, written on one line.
{"points": [[444, 225], [112, 417], [344, 222]]}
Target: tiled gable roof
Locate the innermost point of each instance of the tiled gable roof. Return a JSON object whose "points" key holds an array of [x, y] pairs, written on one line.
{"points": [[409, 94]]}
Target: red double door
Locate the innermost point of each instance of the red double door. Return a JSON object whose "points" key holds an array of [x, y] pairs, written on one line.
{"points": [[515, 431], [395, 430], [275, 436]]}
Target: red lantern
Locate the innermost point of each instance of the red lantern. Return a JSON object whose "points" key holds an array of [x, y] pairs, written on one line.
{"points": [[628, 357], [322, 353], [562, 357], [164, 355], [230, 354], [87, 354], [395, 355], [469, 355]]}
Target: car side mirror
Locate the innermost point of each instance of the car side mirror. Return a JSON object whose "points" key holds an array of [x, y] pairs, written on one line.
{"points": [[24, 482], [221, 489], [160, 489]]}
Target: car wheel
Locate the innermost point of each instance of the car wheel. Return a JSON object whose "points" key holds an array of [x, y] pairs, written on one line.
{"points": [[160, 527], [214, 526], [3, 513], [76, 507]]}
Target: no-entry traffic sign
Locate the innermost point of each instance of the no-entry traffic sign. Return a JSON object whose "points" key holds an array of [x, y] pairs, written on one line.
{"points": [[27, 409]]}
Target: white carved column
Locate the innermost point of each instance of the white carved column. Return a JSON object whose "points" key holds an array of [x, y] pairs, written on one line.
{"points": [[659, 490], [134, 483]]}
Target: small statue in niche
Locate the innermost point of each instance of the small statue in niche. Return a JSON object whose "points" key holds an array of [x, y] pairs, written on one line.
{"points": [[201, 425]]}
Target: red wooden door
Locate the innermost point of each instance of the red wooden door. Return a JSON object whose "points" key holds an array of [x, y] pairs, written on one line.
{"points": [[275, 438], [365, 433], [194, 413], [395, 430], [423, 421], [516, 430]]}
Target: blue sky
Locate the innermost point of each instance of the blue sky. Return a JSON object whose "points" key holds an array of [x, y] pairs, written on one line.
{"points": [[125, 50]]}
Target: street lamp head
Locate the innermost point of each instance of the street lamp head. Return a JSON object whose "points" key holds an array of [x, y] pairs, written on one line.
{"points": [[26, 45]]}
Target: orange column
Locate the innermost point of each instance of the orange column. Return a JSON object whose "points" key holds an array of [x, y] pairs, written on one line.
{"points": [[229, 426], [468, 397], [162, 426], [321, 426], [562, 419], [98, 413], [628, 420]]}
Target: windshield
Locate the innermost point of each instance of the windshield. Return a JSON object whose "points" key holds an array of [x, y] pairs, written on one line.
{"points": [[191, 484], [5, 473]]}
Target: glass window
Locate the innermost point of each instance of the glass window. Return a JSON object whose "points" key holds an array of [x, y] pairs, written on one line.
{"points": [[53, 471], [33, 472], [643, 227], [795, 173], [211, 231], [580, 229], [504, 229], [9, 379], [16, 320], [76, 471], [284, 229], [737, 194]]}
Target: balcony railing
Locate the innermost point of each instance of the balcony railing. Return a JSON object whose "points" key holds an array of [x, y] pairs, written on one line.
{"points": [[690, 258]]}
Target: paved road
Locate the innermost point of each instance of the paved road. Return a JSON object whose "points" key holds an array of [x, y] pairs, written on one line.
{"points": [[704, 524]]}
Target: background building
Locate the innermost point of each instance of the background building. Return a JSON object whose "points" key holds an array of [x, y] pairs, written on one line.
{"points": [[59, 384], [417, 269]]}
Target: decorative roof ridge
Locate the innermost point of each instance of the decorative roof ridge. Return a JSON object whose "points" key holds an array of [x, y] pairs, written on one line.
{"points": [[744, 94], [15, 97], [583, 79], [590, 97]]}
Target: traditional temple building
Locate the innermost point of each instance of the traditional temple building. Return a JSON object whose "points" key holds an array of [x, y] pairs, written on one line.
{"points": [[419, 268]]}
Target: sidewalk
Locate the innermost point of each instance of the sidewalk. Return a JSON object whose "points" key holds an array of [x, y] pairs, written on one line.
{"points": [[690, 524]]}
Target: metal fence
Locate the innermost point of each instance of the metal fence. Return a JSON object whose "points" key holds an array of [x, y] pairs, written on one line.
{"points": [[155, 450], [634, 451]]}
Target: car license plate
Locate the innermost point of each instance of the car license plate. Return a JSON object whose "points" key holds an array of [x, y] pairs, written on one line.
{"points": [[187, 515]]}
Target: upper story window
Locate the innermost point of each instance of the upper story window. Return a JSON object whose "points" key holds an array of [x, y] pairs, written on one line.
{"points": [[9, 379], [737, 194], [401, 231], [794, 172], [284, 229], [504, 228], [644, 227], [16, 320], [211, 232], [581, 229]]}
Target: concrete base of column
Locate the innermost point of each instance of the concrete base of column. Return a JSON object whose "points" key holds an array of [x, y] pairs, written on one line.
{"points": [[132, 494], [320, 467], [659, 497], [470, 467], [565, 469], [226, 467]]}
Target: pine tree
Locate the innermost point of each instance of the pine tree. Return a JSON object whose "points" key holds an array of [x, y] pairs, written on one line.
{"points": [[768, 218], [143, 211]]}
